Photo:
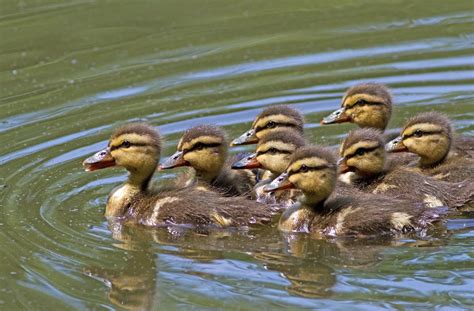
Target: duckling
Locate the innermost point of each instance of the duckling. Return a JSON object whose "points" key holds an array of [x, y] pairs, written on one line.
{"points": [[367, 105], [136, 147], [313, 170], [429, 135], [273, 154], [364, 154], [271, 118], [204, 148]]}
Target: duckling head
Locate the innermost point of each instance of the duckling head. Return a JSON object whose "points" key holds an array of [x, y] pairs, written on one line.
{"points": [[134, 146], [312, 170], [269, 120], [274, 151], [204, 147], [363, 152], [367, 105], [429, 135]]}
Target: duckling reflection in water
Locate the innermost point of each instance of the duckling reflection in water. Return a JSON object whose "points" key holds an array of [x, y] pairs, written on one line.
{"points": [[273, 154], [363, 152], [430, 136], [313, 171], [204, 148], [136, 147]]}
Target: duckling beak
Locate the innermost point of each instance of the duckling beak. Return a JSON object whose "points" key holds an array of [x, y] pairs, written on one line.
{"points": [[280, 183], [246, 138], [338, 116], [343, 167], [249, 162], [99, 160], [396, 145], [176, 160]]}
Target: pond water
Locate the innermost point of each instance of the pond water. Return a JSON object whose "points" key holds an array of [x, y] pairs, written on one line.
{"points": [[72, 71]]}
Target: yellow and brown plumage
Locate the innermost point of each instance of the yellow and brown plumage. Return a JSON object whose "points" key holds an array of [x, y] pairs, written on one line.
{"points": [[136, 147], [269, 120], [363, 152], [313, 170], [204, 148], [430, 136]]}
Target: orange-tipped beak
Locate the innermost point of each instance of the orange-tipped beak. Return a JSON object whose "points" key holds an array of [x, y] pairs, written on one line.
{"points": [[249, 162], [99, 160], [396, 145], [176, 160], [338, 116], [280, 183]]}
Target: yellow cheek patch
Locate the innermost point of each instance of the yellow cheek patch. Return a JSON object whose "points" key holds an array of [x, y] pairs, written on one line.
{"points": [[366, 144], [350, 101], [424, 127]]}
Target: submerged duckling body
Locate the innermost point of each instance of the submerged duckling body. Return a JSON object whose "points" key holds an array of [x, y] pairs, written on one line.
{"points": [[313, 170], [136, 147], [430, 136], [273, 154], [363, 153], [204, 148]]}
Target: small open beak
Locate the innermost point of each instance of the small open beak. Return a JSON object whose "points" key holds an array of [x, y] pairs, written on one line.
{"points": [[99, 160], [343, 167], [249, 162], [176, 160], [338, 116], [246, 138], [280, 183], [396, 145]]}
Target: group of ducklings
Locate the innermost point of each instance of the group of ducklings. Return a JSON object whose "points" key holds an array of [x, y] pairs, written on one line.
{"points": [[370, 190]]}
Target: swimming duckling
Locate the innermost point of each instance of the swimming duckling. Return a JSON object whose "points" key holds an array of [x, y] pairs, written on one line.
{"points": [[313, 170], [364, 154], [367, 105], [273, 154], [136, 147], [270, 119], [204, 148], [429, 135]]}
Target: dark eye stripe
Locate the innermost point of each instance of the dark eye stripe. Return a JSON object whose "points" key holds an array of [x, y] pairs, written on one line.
{"points": [[112, 148], [277, 150], [422, 133], [366, 103], [309, 168], [203, 145], [277, 124], [365, 150]]}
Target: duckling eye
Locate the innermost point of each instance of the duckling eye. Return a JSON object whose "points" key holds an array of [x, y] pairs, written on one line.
{"points": [[270, 124], [304, 168], [199, 146], [125, 144], [272, 150], [418, 133], [360, 102], [360, 151]]}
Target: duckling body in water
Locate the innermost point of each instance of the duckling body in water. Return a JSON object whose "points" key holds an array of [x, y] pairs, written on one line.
{"points": [[363, 153], [136, 147], [313, 170], [273, 154], [429, 135], [204, 148]]}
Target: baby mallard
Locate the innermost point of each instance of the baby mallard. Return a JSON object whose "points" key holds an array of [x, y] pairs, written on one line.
{"points": [[273, 154], [429, 135], [313, 170], [270, 119], [204, 148], [367, 105], [136, 147], [364, 154]]}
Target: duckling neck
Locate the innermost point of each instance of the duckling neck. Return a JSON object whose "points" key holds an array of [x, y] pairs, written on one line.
{"points": [[313, 200]]}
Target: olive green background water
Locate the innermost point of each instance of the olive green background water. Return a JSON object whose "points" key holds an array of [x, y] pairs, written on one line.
{"points": [[71, 71]]}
